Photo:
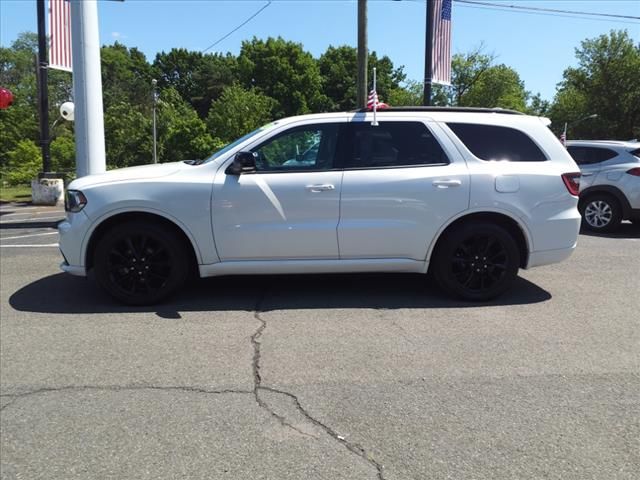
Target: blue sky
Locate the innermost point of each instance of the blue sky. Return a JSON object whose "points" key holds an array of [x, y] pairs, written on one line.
{"points": [[538, 47]]}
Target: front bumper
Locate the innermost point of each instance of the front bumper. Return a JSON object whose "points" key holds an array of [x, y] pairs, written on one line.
{"points": [[73, 269], [72, 233]]}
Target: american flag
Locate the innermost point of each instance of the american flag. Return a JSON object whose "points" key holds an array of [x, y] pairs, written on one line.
{"points": [[373, 100], [60, 34], [441, 31]]}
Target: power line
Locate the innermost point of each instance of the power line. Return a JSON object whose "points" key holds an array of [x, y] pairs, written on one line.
{"points": [[547, 14], [550, 10], [238, 27]]}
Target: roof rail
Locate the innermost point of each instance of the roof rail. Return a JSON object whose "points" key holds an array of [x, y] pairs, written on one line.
{"points": [[442, 109]]}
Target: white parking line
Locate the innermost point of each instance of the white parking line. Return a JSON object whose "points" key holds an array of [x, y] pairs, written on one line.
{"points": [[27, 236], [34, 220], [27, 213], [2, 209], [31, 246]]}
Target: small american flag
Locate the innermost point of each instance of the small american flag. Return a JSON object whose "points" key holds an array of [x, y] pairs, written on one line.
{"points": [[441, 55], [60, 34], [374, 100]]}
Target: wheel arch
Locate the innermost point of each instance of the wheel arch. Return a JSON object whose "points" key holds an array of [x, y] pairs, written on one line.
{"points": [[511, 224], [610, 190], [104, 223]]}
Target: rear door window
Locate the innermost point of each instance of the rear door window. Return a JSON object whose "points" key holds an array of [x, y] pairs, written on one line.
{"points": [[590, 155], [491, 142], [391, 144]]}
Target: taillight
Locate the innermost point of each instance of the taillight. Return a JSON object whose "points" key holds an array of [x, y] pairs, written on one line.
{"points": [[634, 171], [572, 182]]}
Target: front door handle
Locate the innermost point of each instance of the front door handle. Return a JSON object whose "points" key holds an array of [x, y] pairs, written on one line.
{"points": [[320, 188], [447, 183]]}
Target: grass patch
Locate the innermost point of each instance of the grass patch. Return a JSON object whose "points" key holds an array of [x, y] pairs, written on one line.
{"points": [[20, 193]]}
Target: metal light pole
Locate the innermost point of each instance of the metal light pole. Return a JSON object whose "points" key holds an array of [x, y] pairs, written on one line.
{"points": [[154, 82], [428, 55], [43, 95]]}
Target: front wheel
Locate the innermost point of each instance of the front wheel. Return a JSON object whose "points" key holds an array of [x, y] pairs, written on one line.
{"points": [[476, 261], [140, 263]]}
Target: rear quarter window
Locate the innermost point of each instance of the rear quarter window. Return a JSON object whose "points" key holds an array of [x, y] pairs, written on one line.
{"points": [[491, 142]]}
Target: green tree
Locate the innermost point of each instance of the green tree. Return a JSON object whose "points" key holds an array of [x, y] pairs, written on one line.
{"points": [[126, 77], [239, 111], [24, 163], [128, 136], [18, 74], [285, 72], [182, 134], [605, 83], [339, 70], [198, 78], [63, 153]]}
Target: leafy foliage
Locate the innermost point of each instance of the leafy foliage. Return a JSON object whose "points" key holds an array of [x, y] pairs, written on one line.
{"points": [[604, 83], [239, 111]]}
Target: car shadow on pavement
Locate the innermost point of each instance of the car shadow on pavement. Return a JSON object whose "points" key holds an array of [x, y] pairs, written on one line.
{"points": [[625, 230], [65, 294]]}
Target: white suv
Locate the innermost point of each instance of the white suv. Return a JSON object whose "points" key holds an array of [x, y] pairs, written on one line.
{"points": [[470, 195], [610, 183]]}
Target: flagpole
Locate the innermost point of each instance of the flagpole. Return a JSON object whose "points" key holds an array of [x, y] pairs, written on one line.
{"points": [[43, 94], [428, 55], [375, 99]]}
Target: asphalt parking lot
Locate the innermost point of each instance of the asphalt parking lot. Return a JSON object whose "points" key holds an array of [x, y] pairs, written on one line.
{"points": [[320, 377]]}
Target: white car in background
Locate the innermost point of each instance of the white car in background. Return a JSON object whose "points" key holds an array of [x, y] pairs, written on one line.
{"points": [[470, 195], [610, 183]]}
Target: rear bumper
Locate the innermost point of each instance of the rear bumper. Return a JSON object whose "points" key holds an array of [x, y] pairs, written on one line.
{"points": [[547, 257]]}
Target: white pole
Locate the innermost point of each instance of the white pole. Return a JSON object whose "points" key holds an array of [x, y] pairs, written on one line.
{"points": [[87, 88], [375, 99]]}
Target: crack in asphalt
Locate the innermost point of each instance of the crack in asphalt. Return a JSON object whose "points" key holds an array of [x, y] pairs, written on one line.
{"points": [[354, 448], [255, 365], [116, 388]]}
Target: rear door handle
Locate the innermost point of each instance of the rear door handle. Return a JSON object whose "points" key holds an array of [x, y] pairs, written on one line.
{"points": [[447, 183], [320, 188], [586, 174]]}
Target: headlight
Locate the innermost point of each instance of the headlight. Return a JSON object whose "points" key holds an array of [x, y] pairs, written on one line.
{"points": [[74, 201]]}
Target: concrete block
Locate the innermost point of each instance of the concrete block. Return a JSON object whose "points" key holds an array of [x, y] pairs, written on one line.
{"points": [[47, 191]]}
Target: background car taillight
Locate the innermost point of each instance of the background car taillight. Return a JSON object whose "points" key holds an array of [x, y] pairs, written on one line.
{"points": [[634, 171], [572, 182]]}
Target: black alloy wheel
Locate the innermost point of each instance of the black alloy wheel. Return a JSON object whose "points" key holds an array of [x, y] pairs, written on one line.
{"points": [[140, 263], [476, 261]]}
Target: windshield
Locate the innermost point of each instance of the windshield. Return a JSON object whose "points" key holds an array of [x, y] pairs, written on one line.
{"points": [[237, 142]]}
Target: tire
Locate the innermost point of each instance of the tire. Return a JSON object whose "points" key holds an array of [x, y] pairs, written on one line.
{"points": [[476, 261], [601, 213], [140, 263]]}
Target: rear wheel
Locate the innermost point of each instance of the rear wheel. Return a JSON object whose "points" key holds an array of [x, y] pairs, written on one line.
{"points": [[601, 213], [476, 261], [140, 263]]}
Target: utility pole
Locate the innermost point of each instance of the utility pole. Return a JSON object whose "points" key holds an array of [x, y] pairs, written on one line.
{"points": [[87, 88], [43, 92], [428, 54], [363, 54]]}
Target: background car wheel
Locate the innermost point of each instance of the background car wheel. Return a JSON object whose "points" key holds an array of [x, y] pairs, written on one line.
{"points": [[140, 263], [601, 213], [476, 261]]}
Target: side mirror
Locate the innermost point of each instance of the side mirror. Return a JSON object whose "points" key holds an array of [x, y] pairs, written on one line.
{"points": [[243, 162]]}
